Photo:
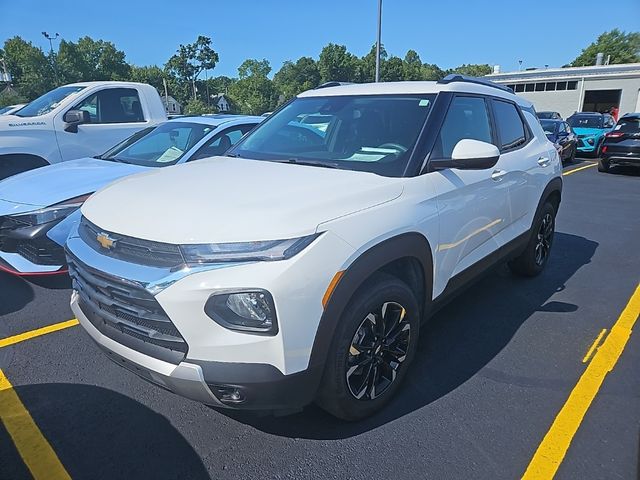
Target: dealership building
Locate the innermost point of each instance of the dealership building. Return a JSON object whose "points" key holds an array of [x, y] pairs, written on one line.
{"points": [[596, 88]]}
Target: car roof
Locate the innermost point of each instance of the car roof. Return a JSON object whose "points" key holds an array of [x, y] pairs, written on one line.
{"points": [[216, 120], [420, 87], [555, 120], [586, 114]]}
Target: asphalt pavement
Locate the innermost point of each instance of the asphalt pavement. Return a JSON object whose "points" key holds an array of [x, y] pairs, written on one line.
{"points": [[494, 369]]}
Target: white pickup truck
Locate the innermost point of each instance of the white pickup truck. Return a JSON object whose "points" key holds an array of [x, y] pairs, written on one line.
{"points": [[74, 121]]}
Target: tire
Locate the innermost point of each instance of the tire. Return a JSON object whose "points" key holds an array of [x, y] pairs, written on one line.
{"points": [[346, 390], [603, 165], [572, 157], [532, 261]]}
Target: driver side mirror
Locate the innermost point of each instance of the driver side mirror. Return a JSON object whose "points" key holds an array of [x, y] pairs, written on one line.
{"points": [[470, 154], [73, 118]]}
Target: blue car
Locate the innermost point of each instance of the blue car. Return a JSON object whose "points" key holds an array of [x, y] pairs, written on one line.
{"points": [[38, 208], [590, 127]]}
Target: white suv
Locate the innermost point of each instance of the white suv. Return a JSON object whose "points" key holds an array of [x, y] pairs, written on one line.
{"points": [[299, 266]]}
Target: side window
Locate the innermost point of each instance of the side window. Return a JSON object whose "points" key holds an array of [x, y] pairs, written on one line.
{"points": [[113, 105], [221, 142], [511, 131], [467, 117]]}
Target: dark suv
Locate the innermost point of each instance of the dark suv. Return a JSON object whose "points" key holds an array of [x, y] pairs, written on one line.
{"points": [[621, 146]]}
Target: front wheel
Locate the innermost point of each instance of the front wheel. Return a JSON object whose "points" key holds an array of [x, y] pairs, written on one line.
{"points": [[532, 261], [373, 346]]}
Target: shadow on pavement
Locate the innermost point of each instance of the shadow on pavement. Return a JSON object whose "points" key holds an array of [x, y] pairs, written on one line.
{"points": [[624, 170], [15, 293], [455, 344], [52, 282], [101, 434]]}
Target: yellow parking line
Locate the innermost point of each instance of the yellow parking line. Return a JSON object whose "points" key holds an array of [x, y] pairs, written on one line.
{"points": [[594, 345], [35, 450], [554, 446], [5, 342], [569, 172]]}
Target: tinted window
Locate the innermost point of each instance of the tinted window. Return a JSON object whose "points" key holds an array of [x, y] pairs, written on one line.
{"points": [[628, 124], [549, 126], [113, 105], [585, 121], [510, 127], [467, 118], [221, 142], [374, 133]]}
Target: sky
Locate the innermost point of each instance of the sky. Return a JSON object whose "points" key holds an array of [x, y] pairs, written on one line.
{"points": [[447, 33]]}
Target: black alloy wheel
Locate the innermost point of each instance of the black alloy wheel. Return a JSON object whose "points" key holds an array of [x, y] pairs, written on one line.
{"points": [[544, 239]]}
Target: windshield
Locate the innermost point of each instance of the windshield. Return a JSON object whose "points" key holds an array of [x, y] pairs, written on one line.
{"points": [[47, 102], [542, 115], [585, 121], [549, 127], [113, 151], [164, 146], [628, 125], [374, 133]]}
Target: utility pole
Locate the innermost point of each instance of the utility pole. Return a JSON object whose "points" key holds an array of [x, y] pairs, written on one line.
{"points": [[379, 40]]}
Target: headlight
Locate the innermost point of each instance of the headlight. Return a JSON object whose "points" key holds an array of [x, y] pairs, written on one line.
{"points": [[52, 213], [248, 311], [269, 250]]}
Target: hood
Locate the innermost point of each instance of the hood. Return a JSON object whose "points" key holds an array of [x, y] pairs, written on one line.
{"points": [[225, 199], [56, 183], [588, 131]]}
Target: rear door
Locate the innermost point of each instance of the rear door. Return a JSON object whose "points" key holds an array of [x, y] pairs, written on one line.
{"points": [[528, 158], [115, 114], [473, 205]]}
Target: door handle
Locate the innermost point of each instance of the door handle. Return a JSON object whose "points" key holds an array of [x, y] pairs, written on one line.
{"points": [[543, 161], [498, 174]]}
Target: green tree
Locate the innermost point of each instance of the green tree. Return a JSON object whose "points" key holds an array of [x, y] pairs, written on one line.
{"points": [[191, 60], [431, 71], [392, 70], [32, 73], [473, 69], [623, 48], [337, 64], [152, 74], [253, 93], [366, 66], [297, 77], [412, 66], [197, 107], [89, 60], [10, 97]]}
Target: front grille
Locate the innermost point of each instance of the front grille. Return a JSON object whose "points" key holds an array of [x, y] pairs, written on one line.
{"points": [[41, 251], [127, 313], [129, 249]]}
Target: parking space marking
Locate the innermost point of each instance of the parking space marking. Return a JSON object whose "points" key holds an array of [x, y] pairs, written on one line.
{"points": [[5, 342], [594, 345], [554, 446], [35, 450], [569, 172]]}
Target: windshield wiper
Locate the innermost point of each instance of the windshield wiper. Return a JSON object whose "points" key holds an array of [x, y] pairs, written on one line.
{"points": [[232, 155], [312, 163]]}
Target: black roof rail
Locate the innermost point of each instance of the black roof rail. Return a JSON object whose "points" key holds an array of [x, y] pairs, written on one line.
{"points": [[456, 77], [332, 84]]}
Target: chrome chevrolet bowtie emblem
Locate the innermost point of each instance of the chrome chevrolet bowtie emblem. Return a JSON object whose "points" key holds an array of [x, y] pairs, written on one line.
{"points": [[106, 241]]}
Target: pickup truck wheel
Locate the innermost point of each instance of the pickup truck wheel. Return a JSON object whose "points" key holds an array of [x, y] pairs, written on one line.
{"points": [[375, 341], [535, 256], [15, 163]]}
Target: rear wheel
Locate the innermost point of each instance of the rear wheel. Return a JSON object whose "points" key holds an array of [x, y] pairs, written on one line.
{"points": [[535, 256], [373, 346], [603, 165]]}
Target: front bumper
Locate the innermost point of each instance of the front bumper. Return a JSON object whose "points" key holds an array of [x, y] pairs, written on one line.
{"points": [[585, 147], [271, 372]]}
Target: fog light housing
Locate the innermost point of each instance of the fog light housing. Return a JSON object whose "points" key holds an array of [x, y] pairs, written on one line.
{"points": [[228, 394], [251, 311], [590, 141]]}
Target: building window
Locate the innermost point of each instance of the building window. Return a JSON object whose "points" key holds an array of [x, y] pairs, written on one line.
{"points": [[561, 86], [539, 87], [529, 87], [550, 86], [572, 85], [520, 87]]}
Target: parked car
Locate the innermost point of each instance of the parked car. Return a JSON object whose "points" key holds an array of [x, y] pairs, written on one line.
{"points": [[11, 109], [75, 121], [300, 266], [549, 115], [560, 134], [39, 207], [590, 127], [622, 145]]}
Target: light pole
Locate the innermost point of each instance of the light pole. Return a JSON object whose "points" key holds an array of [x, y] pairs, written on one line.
{"points": [[379, 39], [51, 37]]}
